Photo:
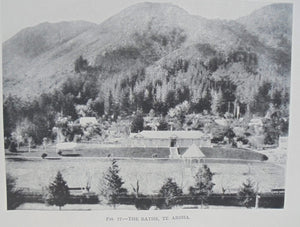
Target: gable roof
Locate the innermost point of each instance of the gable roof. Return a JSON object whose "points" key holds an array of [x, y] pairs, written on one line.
{"points": [[193, 152]]}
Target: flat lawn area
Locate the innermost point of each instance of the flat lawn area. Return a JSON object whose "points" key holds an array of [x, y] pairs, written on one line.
{"points": [[98, 150], [37, 173]]}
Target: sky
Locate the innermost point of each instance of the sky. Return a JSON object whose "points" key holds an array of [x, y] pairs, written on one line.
{"points": [[19, 14]]}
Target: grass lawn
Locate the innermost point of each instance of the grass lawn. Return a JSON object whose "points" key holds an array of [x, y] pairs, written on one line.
{"points": [[35, 174], [98, 150]]}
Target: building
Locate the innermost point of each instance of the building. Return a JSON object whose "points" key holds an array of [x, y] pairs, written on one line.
{"points": [[85, 121], [193, 152], [170, 139]]}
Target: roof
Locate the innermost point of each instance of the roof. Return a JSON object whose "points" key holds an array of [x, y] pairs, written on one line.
{"points": [[256, 121], [168, 134], [222, 122], [193, 152], [87, 120]]}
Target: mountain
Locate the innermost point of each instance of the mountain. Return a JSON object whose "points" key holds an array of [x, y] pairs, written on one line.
{"points": [[24, 52], [272, 24], [157, 39]]}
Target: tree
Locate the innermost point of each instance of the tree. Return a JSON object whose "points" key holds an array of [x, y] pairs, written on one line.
{"points": [[203, 103], [229, 133], [163, 125], [262, 99], [277, 99], [12, 113], [272, 128], [247, 194], [14, 195], [170, 192], [179, 112], [137, 124], [216, 101], [204, 185], [58, 192], [81, 64], [111, 188], [171, 99]]}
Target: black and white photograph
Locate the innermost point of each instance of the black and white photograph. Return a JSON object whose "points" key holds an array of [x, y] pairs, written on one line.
{"points": [[133, 105]]}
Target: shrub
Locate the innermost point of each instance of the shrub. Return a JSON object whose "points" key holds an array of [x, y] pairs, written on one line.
{"points": [[247, 194], [44, 155], [13, 147], [170, 193], [142, 203], [14, 195]]}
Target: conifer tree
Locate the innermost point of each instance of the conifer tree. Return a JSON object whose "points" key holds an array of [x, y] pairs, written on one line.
{"points": [[247, 194], [204, 185], [111, 188], [170, 192], [58, 192]]}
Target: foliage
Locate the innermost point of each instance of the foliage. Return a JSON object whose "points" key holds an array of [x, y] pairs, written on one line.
{"points": [[262, 100], [13, 146], [204, 185], [247, 194], [66, 127], [163, 125], [13, 107], [81, 64], [170, 192], [142, 203], [218, 85], [230, 135], [14, 195], [179, 112], [44, 155], [111, 188], [272, 128], [137, 124], [203, 104], [90, 131], [58, 192]]}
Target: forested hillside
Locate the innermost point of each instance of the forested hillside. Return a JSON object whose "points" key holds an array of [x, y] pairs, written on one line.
{"points": [[148, 57]]}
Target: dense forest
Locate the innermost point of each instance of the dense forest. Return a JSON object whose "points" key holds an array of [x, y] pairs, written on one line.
{"points": [[81, 95], [143, 62]]}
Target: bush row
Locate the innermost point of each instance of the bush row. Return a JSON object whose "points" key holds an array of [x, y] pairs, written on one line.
{"points": [[144, 202]]}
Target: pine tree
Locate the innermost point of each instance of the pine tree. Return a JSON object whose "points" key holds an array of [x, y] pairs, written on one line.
{"points": [[204, 185], [170, 192], [247, 194], [58, 192], [111, 188]]}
